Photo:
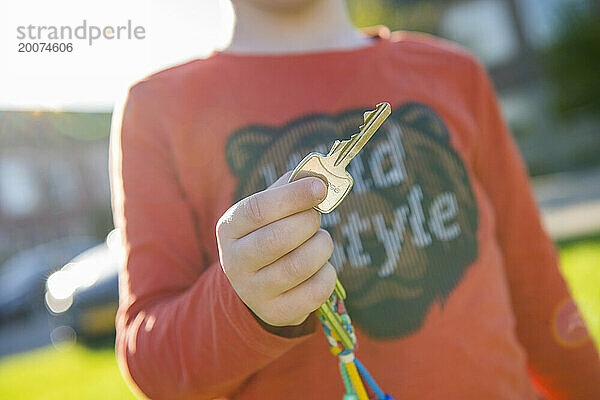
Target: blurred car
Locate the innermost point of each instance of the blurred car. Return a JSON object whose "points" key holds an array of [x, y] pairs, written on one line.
{"points": [[83, 295], [22, 276]]}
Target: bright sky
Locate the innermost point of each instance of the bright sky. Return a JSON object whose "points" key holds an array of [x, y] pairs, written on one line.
{"points": [[92, 78]]}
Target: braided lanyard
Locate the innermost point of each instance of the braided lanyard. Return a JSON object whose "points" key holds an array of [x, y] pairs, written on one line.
{"points": [[358, 382]]}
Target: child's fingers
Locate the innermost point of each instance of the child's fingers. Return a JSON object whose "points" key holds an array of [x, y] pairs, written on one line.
{"points": [[263, 208], [292, 307], [267, 244], [296, 266], [283, 179]]}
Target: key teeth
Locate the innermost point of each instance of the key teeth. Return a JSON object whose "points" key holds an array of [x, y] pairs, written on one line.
{"points": [[340, 149], [339, 145], [367, 115], [336, 144]]}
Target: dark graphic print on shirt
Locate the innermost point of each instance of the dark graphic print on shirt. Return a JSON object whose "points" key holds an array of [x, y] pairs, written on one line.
{"points": [[405, 234]]}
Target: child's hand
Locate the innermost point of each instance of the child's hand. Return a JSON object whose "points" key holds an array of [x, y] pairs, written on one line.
{"points": [[275, 255]]}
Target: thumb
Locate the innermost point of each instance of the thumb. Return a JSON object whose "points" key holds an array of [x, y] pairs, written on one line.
{"points": [[283, 179]]}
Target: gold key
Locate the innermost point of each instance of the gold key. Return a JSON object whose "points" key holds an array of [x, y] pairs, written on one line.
{"points": [[332, 167], [332, 170]]}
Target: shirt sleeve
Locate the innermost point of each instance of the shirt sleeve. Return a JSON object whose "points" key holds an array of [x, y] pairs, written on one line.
{"points": [[182, 331], [560, 369]]}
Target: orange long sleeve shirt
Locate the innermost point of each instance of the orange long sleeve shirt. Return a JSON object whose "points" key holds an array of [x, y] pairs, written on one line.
{"points": [[452, 284]]}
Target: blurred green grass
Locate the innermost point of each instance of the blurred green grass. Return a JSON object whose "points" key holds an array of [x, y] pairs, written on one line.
{"points": [[77, 372], [69, 372], [580, 264]]}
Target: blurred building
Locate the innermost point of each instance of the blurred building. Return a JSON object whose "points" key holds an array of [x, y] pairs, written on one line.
{"points": [[53, 177], [514, 39]]}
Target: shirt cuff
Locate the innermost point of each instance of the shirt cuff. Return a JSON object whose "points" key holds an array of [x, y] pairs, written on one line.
{"points": [[245, 324]]}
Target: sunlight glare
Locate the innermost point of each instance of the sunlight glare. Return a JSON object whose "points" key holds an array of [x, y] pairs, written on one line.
{"points": [[91, 78]]}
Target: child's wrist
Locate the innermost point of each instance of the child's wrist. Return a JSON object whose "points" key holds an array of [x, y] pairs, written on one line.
{"points": [[293, 331]]}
